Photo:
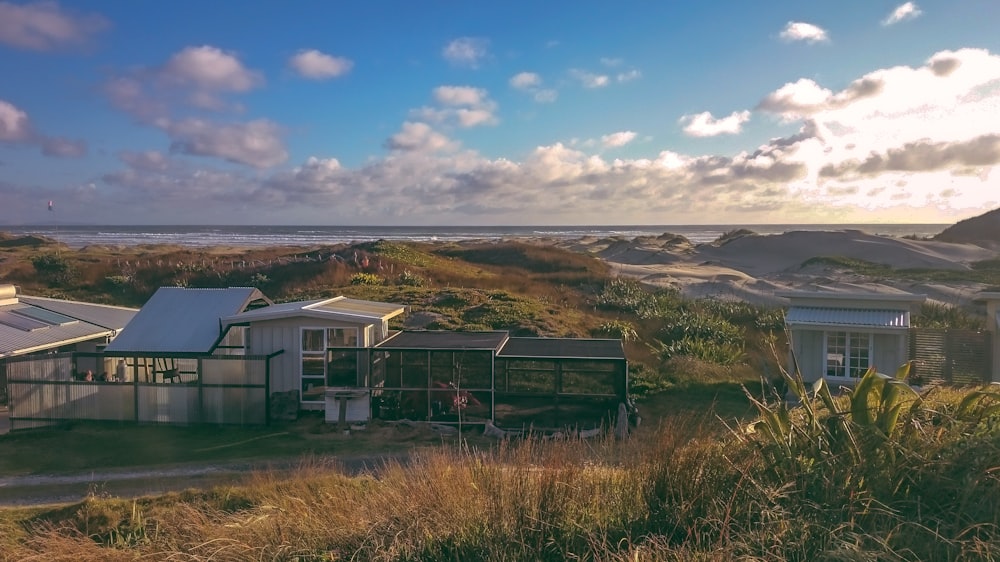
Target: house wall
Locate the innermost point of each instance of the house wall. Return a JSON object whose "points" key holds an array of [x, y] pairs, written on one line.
{"points": [[889, 350], [269, 336]]}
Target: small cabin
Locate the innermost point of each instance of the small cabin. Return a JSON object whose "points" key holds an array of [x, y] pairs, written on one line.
{"points": [[838, 336]]}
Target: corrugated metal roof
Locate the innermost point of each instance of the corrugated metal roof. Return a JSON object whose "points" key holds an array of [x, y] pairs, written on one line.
{"points": [[182, 320], [563, 348], [351, 310], [443, 339], [819, 316], [112, 317], [27, 331]]}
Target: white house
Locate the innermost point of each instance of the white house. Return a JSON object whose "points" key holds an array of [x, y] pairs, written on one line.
{"points": [[838, 336]]}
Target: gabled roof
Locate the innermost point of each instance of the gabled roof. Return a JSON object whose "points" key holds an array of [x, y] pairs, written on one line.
{"points": [[847, 317], [563, 348], [338, 308], [182, 320], [30, 324]]}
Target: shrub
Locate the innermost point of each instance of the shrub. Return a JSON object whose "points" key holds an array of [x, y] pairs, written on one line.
{"points": [[54, 269], [719, 353], [366, 279], [628, 295], [620, 329], [410, 279]]}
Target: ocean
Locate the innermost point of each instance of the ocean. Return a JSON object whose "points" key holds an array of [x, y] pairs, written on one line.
{"points": [[201, 236]]}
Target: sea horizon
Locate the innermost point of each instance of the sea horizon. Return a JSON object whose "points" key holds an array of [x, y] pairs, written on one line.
{"points": [[79, 236]]}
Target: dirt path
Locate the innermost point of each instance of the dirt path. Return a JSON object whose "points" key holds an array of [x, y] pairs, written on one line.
{"points": [[144, 481]]}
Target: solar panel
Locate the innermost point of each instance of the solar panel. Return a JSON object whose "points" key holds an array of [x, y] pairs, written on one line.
{"points": [[20, 322], [46, 316]]}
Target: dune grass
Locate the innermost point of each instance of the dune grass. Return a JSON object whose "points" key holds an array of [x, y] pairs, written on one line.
{"points": [[922, 488]]}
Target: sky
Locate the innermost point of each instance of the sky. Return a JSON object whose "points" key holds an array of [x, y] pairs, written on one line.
{"points": [[498, 113]]}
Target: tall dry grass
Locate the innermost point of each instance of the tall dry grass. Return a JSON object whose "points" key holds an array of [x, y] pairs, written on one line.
{"points": [[681, 492]]}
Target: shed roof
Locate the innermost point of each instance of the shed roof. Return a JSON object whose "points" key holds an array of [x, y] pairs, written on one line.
{"points": [[182, 320], [563, 348], [443, 339], [342, 308], [30, 324], [849, 317]]}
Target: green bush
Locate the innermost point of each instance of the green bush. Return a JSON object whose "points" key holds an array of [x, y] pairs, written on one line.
{"points": [[54, 269], [411, 279], [619, 329], [711, 351], [366, 279], [628, 295]]}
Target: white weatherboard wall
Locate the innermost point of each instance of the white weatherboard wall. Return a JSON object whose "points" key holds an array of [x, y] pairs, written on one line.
{"points": [[269, 336]]}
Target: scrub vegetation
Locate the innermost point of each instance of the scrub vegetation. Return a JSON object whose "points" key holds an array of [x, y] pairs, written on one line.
{"points": [[720, 469]]}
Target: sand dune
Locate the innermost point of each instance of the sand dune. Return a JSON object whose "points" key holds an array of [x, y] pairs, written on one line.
{"points": [[757, 268]]}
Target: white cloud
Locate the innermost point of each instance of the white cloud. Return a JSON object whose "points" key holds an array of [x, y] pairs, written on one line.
{"points": [[460, 95], [705, 125], [255, 143], [418, 137], [611, 61], [618, 139], [525, 81], [44, 26], [589, 79], [628, 76], [464, 106], [531, 83], [906, 11], [14, 124], [315, 65], [801, 31], [16, 129], [208, 68], [466, 51], [195, 76]]}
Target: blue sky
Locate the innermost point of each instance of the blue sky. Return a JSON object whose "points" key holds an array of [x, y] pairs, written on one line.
{"points": [[464, 113]]}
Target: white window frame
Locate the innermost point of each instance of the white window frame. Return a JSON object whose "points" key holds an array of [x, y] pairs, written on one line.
{"points": [[321, 353], [851, 372]]}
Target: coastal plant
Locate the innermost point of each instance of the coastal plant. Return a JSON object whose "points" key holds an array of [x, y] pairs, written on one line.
{"points": [[619, 329], [364, 278], [939, 315], [54, 268], [708, 350], [410, 279], [628, 295]]}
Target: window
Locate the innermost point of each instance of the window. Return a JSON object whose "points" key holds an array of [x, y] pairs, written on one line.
{"points": [[320, 367], [848, 354]]}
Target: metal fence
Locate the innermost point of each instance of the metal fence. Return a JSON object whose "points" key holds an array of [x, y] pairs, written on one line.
{"points": [[226, 390], [959, 357]]}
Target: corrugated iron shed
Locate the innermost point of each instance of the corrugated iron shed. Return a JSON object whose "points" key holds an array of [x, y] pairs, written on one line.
{"points": [[847, 317], [563, 348], [181, 320]]}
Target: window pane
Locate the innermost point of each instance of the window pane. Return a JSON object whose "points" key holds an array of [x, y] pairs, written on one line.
{"points": [[859, 354], [836, 354], [342, 337], [312, 365], [312, 340], [342, 368]]}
